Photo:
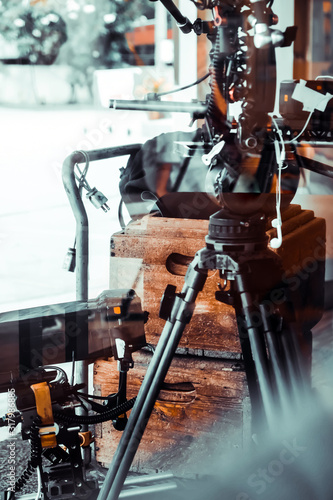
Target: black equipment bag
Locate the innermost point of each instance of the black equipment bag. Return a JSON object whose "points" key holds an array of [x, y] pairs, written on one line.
{"points": [[173, 159]]}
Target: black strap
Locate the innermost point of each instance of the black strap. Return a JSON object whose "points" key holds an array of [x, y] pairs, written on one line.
{"points": [[120, 215], [183, 170], [30, 344], [76, 331]]}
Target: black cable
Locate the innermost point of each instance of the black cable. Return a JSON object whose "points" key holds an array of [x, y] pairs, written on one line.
{"points": [[95, 419], [85, 408], [183, 88], [91, 396], [35, 455], [174, 11], [121, 219]]}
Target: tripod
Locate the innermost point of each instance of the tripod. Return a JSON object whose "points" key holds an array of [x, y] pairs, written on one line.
{"points": [[271, 345]]}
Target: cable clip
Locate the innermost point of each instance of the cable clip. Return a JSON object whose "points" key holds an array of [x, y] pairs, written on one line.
{"points": [[214, 151]]}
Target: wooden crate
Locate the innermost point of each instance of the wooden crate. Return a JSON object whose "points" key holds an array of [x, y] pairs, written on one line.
{"points": [[152, 253], [204, 406]]}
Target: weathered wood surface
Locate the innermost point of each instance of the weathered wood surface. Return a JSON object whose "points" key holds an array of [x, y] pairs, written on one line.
{"points": [[146, 257], [203, 406]]}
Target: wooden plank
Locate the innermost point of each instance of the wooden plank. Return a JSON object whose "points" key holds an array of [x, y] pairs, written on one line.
{"points": [[205, 402], [145, 257]]}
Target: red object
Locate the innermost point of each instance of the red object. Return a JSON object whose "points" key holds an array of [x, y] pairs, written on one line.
{"points": [[144, 35]]}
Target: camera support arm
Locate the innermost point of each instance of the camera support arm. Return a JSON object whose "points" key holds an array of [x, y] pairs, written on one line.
{"points": [[183, 23]]}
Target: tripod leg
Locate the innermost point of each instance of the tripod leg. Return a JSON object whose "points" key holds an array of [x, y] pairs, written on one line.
{"points": [[286, 363], [157, 370], [295, 364], [258, 351], [286, 344], [251, 377], [277, 362]]}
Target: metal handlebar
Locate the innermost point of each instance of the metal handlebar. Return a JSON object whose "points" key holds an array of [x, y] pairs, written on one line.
{"points": [[82, 231]]}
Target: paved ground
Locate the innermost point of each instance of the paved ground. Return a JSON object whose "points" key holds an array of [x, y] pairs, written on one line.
{"points": [[36, 221]]}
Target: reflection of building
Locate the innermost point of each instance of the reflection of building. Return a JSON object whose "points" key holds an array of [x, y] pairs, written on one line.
{"points": [[313, 53], [141, 42], [314, 43]]}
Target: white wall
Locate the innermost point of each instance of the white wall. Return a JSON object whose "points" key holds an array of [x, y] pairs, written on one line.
{"points": [[186, 52], [284, 56]]}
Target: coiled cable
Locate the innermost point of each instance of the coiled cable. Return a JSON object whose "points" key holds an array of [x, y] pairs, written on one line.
{"points": [[95, 419], [35, 455]]}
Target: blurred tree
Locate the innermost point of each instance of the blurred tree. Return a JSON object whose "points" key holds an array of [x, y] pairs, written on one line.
{"points": [[33, 30], [83, 34], [96, 34], [29, 35]]}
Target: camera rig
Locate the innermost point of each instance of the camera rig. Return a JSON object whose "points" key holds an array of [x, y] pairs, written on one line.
{"points": [[243, 71]]}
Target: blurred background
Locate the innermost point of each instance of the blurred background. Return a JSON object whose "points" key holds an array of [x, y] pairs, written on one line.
{"points": [[60, 63]]}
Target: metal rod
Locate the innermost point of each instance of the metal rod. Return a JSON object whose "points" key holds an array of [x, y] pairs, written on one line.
{"points": [[314, 142], [278, 372], [158, 477], [183, 22], [258, 352], [82, 234], [198, 108], [147, 491], [316, 166], [135, 413], [279, 376], [174, 11], [82, 229], [79, 211]]}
